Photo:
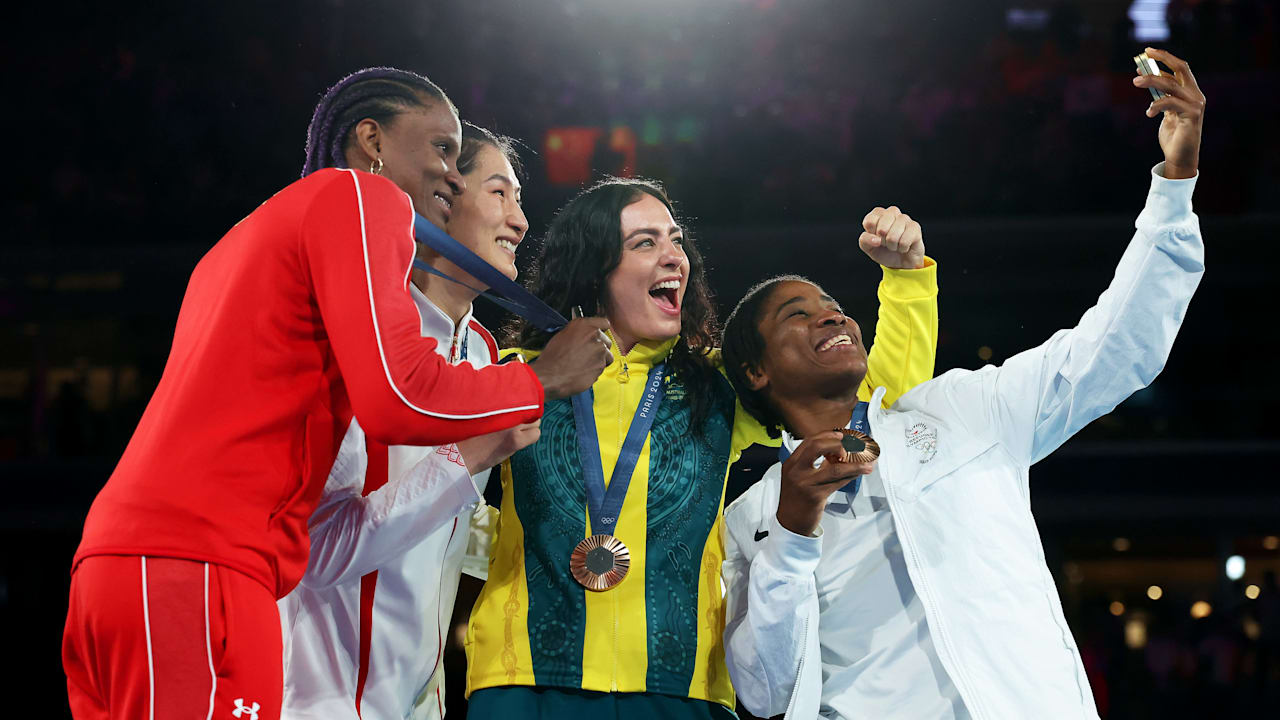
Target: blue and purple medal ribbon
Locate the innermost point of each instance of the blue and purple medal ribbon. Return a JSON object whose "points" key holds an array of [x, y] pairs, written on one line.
{"points": [[503, 291], [857, 422]]}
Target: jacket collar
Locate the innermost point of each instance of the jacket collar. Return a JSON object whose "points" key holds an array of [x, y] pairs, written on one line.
{"points": [[875, 414], [436, 323], [645, 353]]}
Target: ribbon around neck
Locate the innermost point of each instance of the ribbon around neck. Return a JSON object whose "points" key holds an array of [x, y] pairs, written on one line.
{"points": [[503, 291], [857, 422], [604, 506]]}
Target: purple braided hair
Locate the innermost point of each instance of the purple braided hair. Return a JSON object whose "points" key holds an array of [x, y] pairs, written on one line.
{"points": [[378, 93]]}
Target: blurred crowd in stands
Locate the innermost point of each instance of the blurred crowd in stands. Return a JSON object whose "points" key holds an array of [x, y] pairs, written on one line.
{"points": [[754, 111]]}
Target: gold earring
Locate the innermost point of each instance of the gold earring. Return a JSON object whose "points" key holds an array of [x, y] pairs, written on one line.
{"points": [[376, 167]]}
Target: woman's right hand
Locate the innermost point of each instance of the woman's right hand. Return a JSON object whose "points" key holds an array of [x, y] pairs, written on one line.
{"points": [[573, 358], [805, 488], [484, 451]]}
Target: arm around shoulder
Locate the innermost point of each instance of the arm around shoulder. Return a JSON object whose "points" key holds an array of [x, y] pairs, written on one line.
{"points": [[356, 247]]}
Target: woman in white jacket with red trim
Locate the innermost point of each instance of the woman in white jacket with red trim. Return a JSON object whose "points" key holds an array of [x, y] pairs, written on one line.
{"points": [[364, 634]]}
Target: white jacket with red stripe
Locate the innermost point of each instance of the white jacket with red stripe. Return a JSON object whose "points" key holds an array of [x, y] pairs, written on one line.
{"points": [[368, 623]]}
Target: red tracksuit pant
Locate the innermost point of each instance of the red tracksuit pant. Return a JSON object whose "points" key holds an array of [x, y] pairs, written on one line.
{"points": [[151, 638]]}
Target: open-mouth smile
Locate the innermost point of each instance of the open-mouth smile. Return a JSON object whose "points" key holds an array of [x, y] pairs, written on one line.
{"points": [[666, 295], [835, 341]]}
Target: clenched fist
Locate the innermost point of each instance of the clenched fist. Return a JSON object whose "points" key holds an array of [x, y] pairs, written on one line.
{"points": [[892, 239]]}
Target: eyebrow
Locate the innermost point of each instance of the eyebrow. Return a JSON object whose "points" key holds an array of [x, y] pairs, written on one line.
{"points": [[673, 230], [800, 298], [502, 178]]}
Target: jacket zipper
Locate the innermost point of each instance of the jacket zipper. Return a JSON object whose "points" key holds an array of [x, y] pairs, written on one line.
{"points": [[795, 687], [624, 376]]}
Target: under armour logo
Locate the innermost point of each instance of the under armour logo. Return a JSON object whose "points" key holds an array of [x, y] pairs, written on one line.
{"points": [[250, 711]]}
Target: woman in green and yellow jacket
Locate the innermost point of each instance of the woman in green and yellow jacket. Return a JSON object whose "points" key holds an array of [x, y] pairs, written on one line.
{"points": [[540, 643]]}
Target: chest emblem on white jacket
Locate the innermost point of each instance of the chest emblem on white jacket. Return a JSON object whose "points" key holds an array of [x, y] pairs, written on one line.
{"points": [[923, 438]]}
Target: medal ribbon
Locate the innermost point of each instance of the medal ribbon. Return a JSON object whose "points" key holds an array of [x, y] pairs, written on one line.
{"points": [[503, 291], [603, 506], [857, 422]]}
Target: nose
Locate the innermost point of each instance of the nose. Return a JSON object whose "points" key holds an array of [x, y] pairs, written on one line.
{"points": [[833, 318], [518, 222], [673, 255], [454, 178]]}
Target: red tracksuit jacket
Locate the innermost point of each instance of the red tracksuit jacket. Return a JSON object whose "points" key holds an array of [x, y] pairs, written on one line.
{"points": [[297, 319]]}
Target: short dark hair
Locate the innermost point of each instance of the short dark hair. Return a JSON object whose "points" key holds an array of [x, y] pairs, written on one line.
{"points": [[584, 244], [376, 93], [475, 137], [743, 348]]}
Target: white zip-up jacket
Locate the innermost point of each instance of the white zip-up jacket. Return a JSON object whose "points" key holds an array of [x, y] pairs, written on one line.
{"points": [[954, 466], [349, 633]]}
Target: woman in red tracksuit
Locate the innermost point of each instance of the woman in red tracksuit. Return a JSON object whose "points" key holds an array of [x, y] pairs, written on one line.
{"points": [[293, 323]]}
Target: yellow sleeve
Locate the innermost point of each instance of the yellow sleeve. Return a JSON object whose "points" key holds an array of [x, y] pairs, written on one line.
{"points": [[906, 339], [522, 353], [747, 431]]}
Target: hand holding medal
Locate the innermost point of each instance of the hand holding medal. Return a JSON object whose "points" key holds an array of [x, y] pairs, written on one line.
{"points": [[859, 449], [820, 466]]}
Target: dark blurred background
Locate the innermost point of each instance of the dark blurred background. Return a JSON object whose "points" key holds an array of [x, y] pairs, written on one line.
{"points": [[1009, 128]]}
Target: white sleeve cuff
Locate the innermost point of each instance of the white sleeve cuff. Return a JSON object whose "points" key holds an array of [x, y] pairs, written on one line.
{"points": [[791, 554], [436, 487], [1168, 201]]}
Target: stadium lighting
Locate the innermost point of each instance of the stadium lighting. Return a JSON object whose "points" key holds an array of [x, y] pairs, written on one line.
{"points": [[1135, 634], [1117, 608], [1149, 23], [1155, 592], [1200, 609], [1252, 592], [1235, 567]]}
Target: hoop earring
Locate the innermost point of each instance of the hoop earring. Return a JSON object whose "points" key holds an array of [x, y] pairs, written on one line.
{"points": [[376, 166]]}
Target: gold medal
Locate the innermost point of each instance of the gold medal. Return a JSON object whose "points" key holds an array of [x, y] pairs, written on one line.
{"points": [[858, 447], [600, 562]]}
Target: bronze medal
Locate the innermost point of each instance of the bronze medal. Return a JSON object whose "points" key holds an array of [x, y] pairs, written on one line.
{"points": [[858, 447], [600, 562]]}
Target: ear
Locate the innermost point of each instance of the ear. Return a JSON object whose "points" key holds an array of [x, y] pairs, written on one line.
{"points": [[758, 378], [366, 144]]}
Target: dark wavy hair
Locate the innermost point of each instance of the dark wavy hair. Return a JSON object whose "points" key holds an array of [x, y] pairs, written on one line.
{"points": [[583, 245], [743, 349], [376, 93]]}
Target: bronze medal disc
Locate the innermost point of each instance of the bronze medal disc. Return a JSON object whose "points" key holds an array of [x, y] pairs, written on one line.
{"points": [[600, 562], [858, 447]]}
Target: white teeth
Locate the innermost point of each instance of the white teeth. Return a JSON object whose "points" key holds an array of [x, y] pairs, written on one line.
{"points": [[832, 342], [665, 285], [443, 201], [506, 245]]}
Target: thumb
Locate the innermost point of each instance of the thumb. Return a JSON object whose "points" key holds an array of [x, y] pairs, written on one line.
{"points": [[869, 241]]}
